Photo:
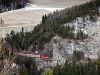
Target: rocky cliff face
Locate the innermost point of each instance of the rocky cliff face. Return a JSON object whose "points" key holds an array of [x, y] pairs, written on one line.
{"points": [[6, 5]]}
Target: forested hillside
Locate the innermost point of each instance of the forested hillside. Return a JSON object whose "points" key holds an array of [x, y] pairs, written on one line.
{"points": [[51, 25], [88, 68], [7, 5], [28, 67]]}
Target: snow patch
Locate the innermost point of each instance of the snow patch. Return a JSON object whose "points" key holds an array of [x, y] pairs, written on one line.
{"points": [[35, 7]]}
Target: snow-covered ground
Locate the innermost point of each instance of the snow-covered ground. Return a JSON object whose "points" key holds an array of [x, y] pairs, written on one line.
{"points": [[36, 7]]}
